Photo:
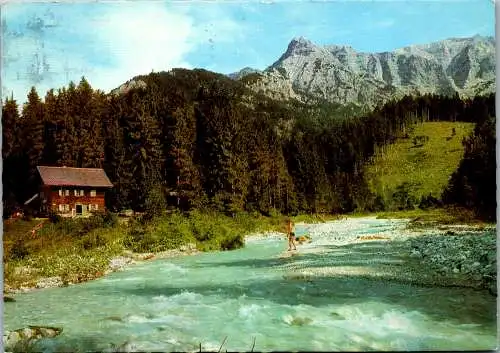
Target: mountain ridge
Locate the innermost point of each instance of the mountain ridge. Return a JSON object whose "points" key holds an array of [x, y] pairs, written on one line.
{"points": [[340, 74]]}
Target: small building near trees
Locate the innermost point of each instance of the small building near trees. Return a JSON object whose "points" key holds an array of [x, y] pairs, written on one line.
{"points": [[71, 192]]}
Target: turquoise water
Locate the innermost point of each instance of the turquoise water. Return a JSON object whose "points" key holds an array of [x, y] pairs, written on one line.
{"points": [[251, 293]]}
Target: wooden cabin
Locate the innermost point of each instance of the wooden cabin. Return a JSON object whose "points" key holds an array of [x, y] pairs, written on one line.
{"points": [[71, 192]]}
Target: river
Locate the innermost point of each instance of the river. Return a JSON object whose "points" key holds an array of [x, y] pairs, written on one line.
{"points": [[328, 297]]}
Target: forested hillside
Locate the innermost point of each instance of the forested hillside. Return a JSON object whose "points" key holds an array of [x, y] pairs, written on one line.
{"points": [[196, 139]]}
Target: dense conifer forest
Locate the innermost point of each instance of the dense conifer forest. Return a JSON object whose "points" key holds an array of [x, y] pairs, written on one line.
{"points": [[193, 139]]}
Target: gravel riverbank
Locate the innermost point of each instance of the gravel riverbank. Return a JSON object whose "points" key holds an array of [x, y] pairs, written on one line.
{"points": [[469, 254], [453, 255]]}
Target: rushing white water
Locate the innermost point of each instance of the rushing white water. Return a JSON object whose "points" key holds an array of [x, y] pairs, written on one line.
{"points": [[327, 297]]}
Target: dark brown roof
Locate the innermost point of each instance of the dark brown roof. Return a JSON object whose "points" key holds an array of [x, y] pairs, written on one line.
{"points": [[66, 176]]}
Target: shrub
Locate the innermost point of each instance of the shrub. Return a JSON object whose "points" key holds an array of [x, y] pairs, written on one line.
{"points": [[402, 198], [19, 250], [429, 201], [93, 240], [234, 242], [378, 204], [27, 216], [172, 232], [137, 238], [109, 219], [54, 217]]}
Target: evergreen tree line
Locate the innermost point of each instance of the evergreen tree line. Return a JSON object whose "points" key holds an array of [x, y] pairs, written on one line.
{"points": [[196, 139], [473, 185]]}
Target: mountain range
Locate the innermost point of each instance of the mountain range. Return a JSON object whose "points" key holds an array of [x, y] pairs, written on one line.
{"points": [[339, 74]]}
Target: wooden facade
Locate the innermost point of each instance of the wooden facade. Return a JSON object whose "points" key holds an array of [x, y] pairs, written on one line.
{"points": [[72, 192], [71, 201]]}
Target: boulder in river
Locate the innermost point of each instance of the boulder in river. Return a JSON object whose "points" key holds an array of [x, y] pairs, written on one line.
{"points": [[8, 299], [27, 334], [337, 315], [125, 347], [300, 321]]}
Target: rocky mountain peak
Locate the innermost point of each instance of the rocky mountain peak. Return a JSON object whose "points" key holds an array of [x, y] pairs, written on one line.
{"points": [[341, 74], [299, 46]]}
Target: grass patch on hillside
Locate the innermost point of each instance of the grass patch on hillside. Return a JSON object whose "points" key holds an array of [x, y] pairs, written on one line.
{"points": [[424, 160]]}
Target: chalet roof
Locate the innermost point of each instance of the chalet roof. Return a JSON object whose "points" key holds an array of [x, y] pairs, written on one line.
{"points": [[66, 176]]}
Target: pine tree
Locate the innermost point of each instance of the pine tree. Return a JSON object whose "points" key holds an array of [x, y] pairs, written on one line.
{"points": [[33, 117], [11, 153], [10, 124]]}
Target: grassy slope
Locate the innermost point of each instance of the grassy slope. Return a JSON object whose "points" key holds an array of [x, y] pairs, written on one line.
{"points": [[426, 168]]}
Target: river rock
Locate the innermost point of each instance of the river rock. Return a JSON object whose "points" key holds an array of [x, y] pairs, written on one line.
{"points": [[337, 315], [115, 318], [415, 254], [300, 321], [8, 299], [119, 263], [50, 282], [188, 247], [27, 334], [125, 347]]}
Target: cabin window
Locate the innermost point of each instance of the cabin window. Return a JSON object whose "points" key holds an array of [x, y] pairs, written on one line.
{"points": [[76, 192], [61, 208], [66, 192], [82, 193], [92, 193], [66, 208], [60, 192]]}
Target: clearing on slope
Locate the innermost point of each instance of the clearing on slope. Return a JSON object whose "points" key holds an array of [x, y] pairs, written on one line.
{"points": [[421, 162]]}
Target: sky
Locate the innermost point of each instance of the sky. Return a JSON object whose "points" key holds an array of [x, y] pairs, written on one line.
{"points": [[47, 45]]}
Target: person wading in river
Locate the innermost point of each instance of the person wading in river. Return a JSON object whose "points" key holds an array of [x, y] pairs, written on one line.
{"points": [[291, 234]]}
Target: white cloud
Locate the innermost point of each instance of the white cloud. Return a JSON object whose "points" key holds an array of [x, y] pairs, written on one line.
{"points": [[139, 39], [118, 41]]}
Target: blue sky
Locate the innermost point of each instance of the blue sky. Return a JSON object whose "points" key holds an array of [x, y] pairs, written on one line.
{"points": [[49, 44]]}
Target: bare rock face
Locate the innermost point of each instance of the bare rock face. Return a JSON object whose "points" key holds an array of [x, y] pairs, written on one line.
{"points": [[127, 86], [340, 74], [274, 83]]}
